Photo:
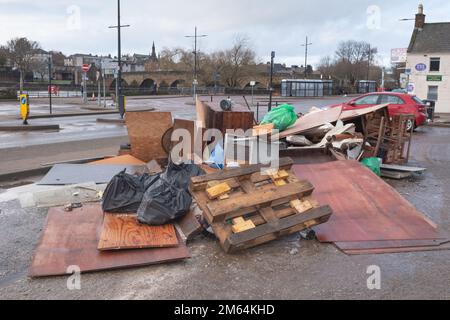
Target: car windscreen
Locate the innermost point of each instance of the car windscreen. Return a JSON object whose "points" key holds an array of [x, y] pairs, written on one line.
{"points": [[418, 101]]}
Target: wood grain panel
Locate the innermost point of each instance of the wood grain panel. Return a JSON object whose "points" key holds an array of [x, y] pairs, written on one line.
{"points": [[123, 231], [72, 240], [145, 130]]}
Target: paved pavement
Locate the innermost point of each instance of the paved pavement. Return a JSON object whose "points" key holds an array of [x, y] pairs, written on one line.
{"points": [[289, 268]]}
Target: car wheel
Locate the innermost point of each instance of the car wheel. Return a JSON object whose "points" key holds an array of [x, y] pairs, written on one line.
{"points": [[410, 125]]}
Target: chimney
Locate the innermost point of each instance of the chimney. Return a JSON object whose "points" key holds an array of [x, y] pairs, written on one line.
{"points": [[420, 18]]}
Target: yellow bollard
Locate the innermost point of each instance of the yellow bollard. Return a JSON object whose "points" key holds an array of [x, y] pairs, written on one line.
{"points": [[24, 107]]}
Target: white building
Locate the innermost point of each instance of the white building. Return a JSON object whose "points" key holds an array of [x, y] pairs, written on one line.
{"points": [[428, 62]]}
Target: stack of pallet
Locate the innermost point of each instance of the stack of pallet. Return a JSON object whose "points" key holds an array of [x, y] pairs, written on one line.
{"points": [[250, 206], [398, 140]]}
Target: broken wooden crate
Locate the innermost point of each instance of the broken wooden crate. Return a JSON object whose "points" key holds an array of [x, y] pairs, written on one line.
{"points": [[258, 207]]}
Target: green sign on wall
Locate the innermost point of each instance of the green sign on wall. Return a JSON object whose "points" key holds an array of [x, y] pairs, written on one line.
{"points": [[434, 78]]}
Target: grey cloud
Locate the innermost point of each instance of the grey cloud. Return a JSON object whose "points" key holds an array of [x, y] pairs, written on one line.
{"points": [[271, 25]]}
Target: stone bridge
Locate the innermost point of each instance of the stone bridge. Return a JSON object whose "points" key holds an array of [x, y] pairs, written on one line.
{"points": [[178, 79], [146, 80]]}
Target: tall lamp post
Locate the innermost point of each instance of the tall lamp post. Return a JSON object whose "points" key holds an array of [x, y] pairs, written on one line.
{"points": [[50, 82], [272, 57], [119, 57], [306, 45], [196, 36]]}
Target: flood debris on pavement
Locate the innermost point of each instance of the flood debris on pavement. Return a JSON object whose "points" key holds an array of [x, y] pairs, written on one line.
{"points": [[154, 206]]}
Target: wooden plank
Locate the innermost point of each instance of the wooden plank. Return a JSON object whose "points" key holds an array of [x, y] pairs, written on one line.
{"points": [[242, 173], [240, 205], [241, 225], [145, 130], [125, 160], [301, 206], [267, 232], [72, 240], [265, 129], [218, 190], [123, 231]]}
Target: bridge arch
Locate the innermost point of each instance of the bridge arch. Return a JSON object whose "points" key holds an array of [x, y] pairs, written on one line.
{"points": [[147, 84], [177, 83], [112, 86]]}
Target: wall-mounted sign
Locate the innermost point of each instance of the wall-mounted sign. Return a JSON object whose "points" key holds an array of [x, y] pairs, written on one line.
{"points": [[421, 67], [399, 55], [411, 88], [434, 78]]}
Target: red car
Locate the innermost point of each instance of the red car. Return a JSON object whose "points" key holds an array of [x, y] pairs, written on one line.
{"points": [[399, 103]]}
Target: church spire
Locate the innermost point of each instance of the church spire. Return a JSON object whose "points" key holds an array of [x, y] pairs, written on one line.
{"points": [[153, 56]]}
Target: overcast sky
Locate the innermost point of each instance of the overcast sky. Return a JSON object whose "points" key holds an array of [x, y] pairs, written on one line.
{"points": [[82, 26]]}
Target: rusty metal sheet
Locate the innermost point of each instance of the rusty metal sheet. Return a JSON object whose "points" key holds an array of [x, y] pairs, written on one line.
{"points": [[365, 207], [71, 239], [442, 247], [373, 245], [145, 130]]}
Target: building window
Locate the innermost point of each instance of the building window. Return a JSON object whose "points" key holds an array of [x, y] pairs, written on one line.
{"points": [[433, 93], [435, 64]]}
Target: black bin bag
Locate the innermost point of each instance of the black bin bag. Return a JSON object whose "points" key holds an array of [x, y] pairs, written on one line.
{"points": [[168, 198], [124, 192]]}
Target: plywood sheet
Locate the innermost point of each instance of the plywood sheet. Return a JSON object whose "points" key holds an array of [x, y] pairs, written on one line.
{"points": [[317, 119], [311, 121], [124, 160], [123, 231], [67, 174], [365, 207], [145, 130], [71, 239]]}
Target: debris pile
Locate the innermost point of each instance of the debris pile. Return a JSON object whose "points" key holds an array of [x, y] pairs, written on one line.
{"points": [[140, 208]]}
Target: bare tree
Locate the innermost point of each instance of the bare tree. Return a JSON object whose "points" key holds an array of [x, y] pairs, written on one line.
{"points": [[353, 61], [39, 67], [4, 53], [233, 64], [21, 54]]}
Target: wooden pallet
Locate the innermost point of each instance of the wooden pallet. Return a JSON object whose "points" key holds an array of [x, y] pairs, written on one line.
{"points": [[397, 140], [265, 207]]}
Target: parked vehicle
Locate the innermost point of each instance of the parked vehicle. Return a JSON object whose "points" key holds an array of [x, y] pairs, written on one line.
{"points": [[399, 103]]}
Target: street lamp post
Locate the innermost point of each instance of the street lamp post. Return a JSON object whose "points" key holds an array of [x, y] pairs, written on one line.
{"points": [[119, 57], [50, 82], [196, 36], [306, 45], [272, 57]]}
